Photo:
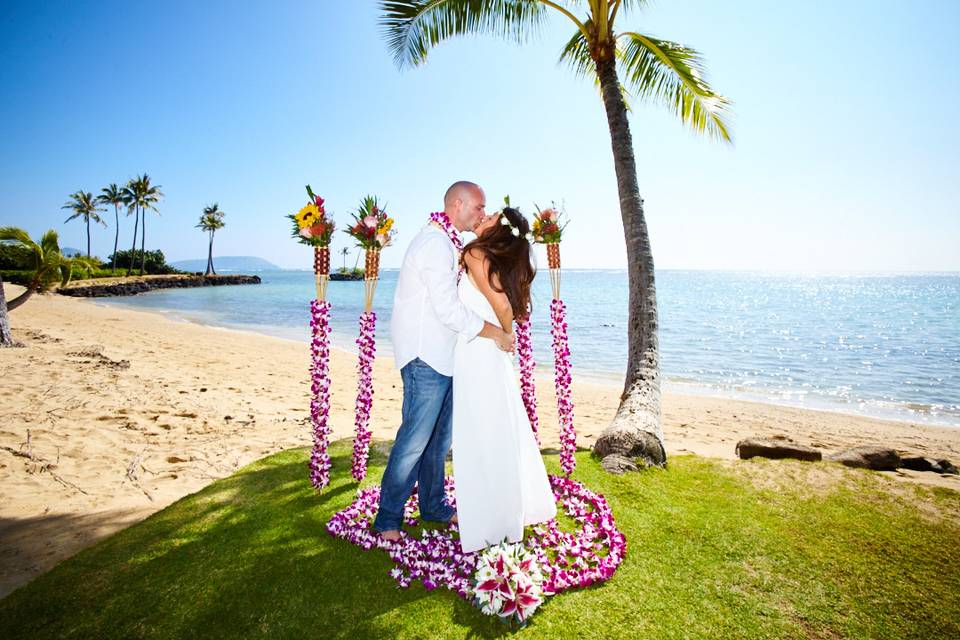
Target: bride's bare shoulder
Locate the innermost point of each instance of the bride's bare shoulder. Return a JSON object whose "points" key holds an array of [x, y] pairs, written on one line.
{"points": [[478, 266]]}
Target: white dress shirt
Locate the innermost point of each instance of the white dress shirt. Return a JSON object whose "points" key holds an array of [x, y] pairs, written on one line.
{"points": [[427, 312]]}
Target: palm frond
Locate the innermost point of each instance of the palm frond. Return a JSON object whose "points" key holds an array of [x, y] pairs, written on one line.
{"points": [[50, 243], [576, 55], [670, 74], [17, 235], [413, 27]]}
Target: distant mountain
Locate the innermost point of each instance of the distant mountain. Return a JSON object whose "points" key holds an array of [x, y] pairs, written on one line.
{"points": [[71, 251], [226, 263]]}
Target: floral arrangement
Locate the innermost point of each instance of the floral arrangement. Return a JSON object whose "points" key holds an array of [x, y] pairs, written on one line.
{"points": [[367, 345], [528, 389], [566, 559], [372, 228], [320, 388], [562, 380], [508, 582], [311, 225], [547, 228]]}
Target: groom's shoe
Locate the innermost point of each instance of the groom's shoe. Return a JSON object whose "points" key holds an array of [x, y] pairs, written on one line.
{"points": [[453, 519], [390, 536]]}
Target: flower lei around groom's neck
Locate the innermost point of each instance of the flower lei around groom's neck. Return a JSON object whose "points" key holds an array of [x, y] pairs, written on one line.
{"points": [[441, 219]]}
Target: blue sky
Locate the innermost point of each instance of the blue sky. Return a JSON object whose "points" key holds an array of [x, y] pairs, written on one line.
{"points": [[845, 153]]}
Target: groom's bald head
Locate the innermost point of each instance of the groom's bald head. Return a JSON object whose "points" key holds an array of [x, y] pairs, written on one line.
{"points": [[464, 203]]}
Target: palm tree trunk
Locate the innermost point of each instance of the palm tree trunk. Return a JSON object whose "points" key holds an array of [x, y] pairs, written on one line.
{"points": [[133, 250], [88, 236], [23, 297], [636, 430], [6, 337], [210, 257], [116, 237], [143, 241]]}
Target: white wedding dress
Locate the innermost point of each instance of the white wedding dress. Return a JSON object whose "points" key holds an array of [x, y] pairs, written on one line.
{"points": [[500, 481]]}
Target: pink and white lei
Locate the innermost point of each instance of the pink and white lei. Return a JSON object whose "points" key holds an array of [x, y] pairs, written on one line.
{"points": [[562, 378], [528, 389], [566, 559], [367, 352], [320, 388], [441, 219]]}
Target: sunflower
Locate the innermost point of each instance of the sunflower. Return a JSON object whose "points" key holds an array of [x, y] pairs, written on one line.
{"points": [[308, 216]]}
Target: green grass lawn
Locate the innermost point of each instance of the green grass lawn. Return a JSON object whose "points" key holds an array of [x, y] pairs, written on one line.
{"points": [[712, 553]]}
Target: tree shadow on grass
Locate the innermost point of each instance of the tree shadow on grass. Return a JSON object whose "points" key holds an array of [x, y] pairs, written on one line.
{"points": [[247, 556]]}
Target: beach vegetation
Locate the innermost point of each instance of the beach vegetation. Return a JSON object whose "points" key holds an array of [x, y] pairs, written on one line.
{"points": [[113, 195], [711, 553], [86, 207], [141, 195], [210, 221], [626, 64], [44, 265], [152, 262]]}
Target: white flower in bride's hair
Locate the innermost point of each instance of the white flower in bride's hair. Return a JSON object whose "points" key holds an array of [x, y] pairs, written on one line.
{"points": [[504, 221], [529, 237], [515, 232]]}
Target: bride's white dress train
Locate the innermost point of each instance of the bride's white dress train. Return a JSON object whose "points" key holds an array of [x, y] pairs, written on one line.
{"points": [[501, 483]]}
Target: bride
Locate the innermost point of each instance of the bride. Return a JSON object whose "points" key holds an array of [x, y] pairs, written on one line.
{"points": [[501, 483]]}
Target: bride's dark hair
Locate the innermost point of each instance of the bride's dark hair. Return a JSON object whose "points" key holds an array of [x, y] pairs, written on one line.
{"points": [[509, 258]]}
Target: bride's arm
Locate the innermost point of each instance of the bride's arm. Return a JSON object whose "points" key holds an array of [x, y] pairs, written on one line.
{"points": [[478, 265]]}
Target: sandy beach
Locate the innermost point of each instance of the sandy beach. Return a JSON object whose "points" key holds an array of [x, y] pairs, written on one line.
{"points": [[108, 415]]}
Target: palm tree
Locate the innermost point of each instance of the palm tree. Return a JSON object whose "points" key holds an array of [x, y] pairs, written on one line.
{"points": [[6, 337], [47, 263], [345, 252], [623, 64], [113, 195], [210, 220], [84, 205], [151, 195], [131, 197]]}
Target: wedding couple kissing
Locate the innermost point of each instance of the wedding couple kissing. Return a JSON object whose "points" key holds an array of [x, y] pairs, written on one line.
{"points": [[452, 334]]}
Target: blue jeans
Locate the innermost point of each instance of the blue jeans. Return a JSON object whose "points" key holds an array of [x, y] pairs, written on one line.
{"points": [[420, 448]]}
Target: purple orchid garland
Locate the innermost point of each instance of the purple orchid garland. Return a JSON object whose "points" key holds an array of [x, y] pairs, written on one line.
{"points": [[568, 559], [320, 388], [368, 348], [562, 378], [528, 389]]}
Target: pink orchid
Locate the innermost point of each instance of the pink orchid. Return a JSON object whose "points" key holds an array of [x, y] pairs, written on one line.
{"points": [[370, 221]]}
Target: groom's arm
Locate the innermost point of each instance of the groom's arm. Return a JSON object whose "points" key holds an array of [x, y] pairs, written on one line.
{"points": [[433, 261]]}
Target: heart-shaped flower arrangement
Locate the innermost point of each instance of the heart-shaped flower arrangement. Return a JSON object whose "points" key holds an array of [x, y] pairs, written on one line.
{"points": [[566, 559]]}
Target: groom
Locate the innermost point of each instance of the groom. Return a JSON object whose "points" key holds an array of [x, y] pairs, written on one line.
{"points": [[427, 317]]}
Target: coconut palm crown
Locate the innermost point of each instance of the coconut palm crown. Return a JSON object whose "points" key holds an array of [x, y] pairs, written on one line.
{"points": [[626, 64]]}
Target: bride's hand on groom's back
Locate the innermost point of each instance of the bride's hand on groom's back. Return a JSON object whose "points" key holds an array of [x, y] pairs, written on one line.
{"points": [[506, 341]]}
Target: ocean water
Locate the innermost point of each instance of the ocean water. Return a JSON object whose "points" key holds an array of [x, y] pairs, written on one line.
{"points": [[885, 345]]}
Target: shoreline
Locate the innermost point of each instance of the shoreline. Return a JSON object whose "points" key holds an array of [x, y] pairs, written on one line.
{"points": [[126, 411], [894, 411]]}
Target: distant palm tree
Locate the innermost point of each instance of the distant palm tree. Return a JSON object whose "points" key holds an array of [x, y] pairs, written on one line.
{"points": [[345, 252], [652, 69], [131, 197], [46, 263], [113, 195], [151, 196], [210, 220], [84, 205], [141, 195]]}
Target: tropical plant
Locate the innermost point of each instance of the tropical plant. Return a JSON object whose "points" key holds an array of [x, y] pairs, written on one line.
{"points": [[344, 252], [155, 263], [6, 337], [141, 196], [210, 220], [84, 205], [45, 263], [113, 195], [625, 64]]}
